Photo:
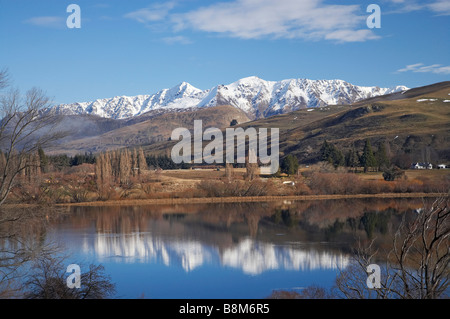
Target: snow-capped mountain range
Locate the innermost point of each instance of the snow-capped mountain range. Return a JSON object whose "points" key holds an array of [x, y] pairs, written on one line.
{"points": [[256, 97]]}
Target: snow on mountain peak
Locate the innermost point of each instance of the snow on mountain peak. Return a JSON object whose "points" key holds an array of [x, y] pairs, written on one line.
{"points": [[255, 96]]}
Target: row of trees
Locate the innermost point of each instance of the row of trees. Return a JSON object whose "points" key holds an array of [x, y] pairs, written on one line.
{"points": [[164, 162], [59, 162], [27, 166], [119, 167], [368, 159]]}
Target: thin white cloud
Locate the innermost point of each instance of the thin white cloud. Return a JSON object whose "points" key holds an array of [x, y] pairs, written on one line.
{"points": [[49, 21], [252, 19], [177, 40], [421, 68], [351, 35], [442, 7], [156, 12]]}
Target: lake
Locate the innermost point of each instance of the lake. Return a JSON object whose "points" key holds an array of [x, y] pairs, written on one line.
{"points": [[245, 250]]}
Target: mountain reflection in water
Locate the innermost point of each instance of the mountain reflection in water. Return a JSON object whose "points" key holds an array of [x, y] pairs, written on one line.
{"points": [[252, 237], [243, 250], [251, 256]]}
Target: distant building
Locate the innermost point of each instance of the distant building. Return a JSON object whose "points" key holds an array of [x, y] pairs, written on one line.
{"points": [[441, 166], [422, 166]]}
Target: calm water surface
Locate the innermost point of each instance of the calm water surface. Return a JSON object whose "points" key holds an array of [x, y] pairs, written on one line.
{"points": [[222, 250]]}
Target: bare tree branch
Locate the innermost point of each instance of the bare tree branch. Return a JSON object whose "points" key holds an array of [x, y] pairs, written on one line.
{"points": [[417, 266], [24, 128]]}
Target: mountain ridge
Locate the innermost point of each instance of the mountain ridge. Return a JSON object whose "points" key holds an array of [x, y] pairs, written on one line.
{"points": [[258, 98], [415, 121]]}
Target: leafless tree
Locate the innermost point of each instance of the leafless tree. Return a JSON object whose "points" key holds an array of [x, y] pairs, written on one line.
{"points": [[229, 172], [251, 170], [417, 266], [33, 267], [48, 281], [310, 292], [422, 252], [4, 78], [24, 127], [21, 234], [142, 162]]}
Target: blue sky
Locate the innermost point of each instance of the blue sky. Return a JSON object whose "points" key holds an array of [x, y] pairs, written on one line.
{"points": [[140, 47]]}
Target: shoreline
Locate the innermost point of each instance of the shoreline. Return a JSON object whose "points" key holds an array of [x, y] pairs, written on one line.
{"points": [[206, 200], [243, 199]]}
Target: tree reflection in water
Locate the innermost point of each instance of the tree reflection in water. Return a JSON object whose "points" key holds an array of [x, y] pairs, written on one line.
{"points": [[253, 238], [34, 267]]}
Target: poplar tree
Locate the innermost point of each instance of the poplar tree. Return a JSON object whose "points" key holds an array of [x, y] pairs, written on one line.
{"points": [[229, 171], [142, 162], [124, 167], [134, 163], [103, 173]]}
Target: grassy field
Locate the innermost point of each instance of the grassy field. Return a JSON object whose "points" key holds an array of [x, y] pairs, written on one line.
{"points": [[188, 178], [410, 174], [202, 174]]}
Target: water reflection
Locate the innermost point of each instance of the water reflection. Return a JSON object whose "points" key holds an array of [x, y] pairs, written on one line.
{"points": [[254, 238], [138, 247], [249, 255], [213, 250], [255, 257]]}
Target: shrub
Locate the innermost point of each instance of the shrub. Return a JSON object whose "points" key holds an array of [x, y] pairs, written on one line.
{"points": [[335, 183], [392, 173], [218, 188]]}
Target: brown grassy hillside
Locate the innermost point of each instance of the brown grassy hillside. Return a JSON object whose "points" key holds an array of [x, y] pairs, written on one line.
{"points": [[151, 129]]}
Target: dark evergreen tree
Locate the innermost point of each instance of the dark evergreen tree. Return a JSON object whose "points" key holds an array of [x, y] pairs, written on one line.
{"points": [[381, 157], [331, 154], [289, 165], [59, 161], [368, 158], [325, 151], [79, 159], [352, 159], [164, 162], [337, 158]]}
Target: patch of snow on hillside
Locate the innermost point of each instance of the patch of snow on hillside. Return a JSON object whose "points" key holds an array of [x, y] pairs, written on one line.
{"points": [[425, 100]]}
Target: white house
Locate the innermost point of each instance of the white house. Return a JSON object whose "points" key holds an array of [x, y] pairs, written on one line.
{"points": [[422, 166], [417, 166], [442, 166]]}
